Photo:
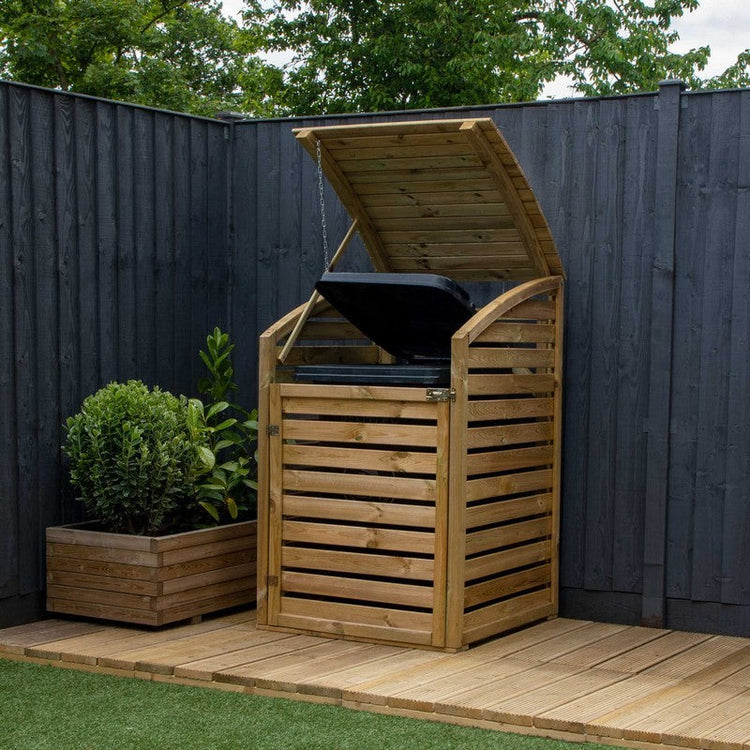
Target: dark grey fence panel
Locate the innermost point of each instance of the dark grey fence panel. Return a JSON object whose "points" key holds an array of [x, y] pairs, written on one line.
{"points": [[126, 234], [102, 208], [709, 524]]}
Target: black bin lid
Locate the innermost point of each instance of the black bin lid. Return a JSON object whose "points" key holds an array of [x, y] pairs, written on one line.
{"points": [[407, 314]]}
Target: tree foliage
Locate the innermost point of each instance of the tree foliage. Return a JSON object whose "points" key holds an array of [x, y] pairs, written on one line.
{"points": [[359, 55], [176, 54], [347, 55]]}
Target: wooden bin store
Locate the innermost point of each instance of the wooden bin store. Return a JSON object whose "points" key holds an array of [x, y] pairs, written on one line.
{"points": [[407, 515]]}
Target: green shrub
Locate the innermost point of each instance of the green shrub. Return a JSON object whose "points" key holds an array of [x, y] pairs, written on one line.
{"points": [[227, 487], [134, 458]]}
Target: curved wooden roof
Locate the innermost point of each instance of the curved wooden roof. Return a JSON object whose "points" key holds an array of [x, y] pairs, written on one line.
{"points": [[437, 196]]}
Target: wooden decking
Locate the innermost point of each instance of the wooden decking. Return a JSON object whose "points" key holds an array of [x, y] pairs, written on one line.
{"points": [[575, 680]]}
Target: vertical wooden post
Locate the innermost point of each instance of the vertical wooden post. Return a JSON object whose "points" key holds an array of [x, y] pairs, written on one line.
{"points": [[275, 510], [557, 447], [267, 358], [454, 626], [662, 310], [443, 410]]}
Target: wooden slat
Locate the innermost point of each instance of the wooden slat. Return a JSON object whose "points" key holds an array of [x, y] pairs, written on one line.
{"points": [[502, 332], [418, 146], [446, 263], [361, 433], [358, 563], [510, 408], [428, 176], [361, 511], [356, 168], [447, 236], [404, 186], [354, 458], [508, 460], [507, 510], [484, 622], [365, 408], [506, 585], [509, 434], [128, 557], [505, 536], [502, 357], [497, 562], [489, 384], [364, 485], [421, 199], [110, 583], [511, 250], [354, 142], [357, 392], [447, 210], [339, 587], [470, 223], [533, 310], [371, 538], [392, 619], [510, 484]]}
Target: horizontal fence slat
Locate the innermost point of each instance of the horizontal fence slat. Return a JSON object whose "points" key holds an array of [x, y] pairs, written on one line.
{"points": [[371, 538], [505, 536], [361, 511], [507, 510], [508, 460], [357, 458], [339, 587], [341, 613], [521, 333], [489, 357], [358, 563], [360, 433], [364, 485], [509, 434], [506, 585], [497, 562], [509, 484], [520, 408]]}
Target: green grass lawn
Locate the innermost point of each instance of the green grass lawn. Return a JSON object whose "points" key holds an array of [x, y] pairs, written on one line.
{"points": [[57, 709]]}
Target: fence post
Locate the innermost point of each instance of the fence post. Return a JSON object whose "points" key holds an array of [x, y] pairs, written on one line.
{"points": [[653, 604]]}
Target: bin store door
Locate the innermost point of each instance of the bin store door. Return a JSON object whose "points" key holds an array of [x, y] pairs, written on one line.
{"points": [[357, 512]]}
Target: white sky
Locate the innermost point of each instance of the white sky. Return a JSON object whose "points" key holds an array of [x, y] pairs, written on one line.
{"points": [[723, 25]]}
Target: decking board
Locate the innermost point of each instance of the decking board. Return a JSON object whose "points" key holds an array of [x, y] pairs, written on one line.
{"points": [[622, 685]]}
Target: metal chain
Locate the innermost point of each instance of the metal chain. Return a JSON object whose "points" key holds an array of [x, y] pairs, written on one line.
{"points": [[322, 205]]}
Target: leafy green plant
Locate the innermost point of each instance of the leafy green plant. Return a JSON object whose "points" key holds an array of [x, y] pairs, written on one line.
{"points": [[228, 485], [133, 458]]}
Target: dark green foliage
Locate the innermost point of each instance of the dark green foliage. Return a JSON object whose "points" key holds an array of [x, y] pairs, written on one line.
{"points": [[133, 457], [357, 55], [182, 55], [230, 431]]}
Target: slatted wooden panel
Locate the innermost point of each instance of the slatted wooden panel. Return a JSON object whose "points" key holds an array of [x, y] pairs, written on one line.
{"points": [[442, 197], [356, 538], [510, 572]]}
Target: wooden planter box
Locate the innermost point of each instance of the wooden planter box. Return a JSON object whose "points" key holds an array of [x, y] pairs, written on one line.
{"points": [[387, 514], [150, 580]]}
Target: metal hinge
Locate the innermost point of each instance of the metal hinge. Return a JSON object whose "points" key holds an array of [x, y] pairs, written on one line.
{"points": [[441, 394], [272, 430]]}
